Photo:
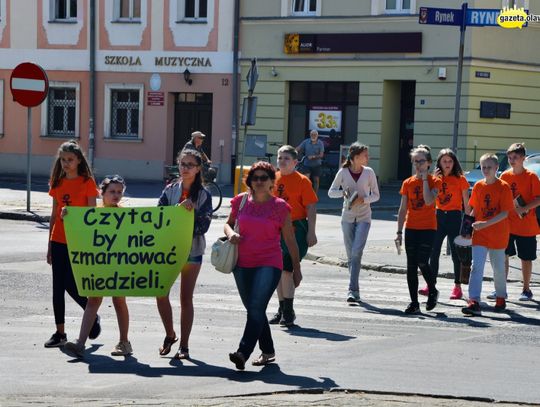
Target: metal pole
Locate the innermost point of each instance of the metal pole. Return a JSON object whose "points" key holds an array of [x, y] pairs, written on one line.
{"points": [[92, 86], [459, 76], [28, 155], [235, 89]]}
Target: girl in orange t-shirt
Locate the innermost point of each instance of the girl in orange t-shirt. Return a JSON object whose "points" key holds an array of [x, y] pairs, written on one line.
{"points": [[417, 212], [453, 196], [112, 190], [71, 184]]}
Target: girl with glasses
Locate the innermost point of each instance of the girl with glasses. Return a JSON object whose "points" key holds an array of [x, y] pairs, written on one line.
{"points": [[187, 191], [417, 213], [112, 190], [263, 220]]}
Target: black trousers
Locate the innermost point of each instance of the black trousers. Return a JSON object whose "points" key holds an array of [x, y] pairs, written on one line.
{"points": [[448, 224], [63, 281], [418, 245]]}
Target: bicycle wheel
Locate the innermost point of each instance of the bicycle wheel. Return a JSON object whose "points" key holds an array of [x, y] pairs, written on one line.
{"points": [[217, 197]]}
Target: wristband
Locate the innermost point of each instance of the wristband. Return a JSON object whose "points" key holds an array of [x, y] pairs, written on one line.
{"points": [[399, 232]]}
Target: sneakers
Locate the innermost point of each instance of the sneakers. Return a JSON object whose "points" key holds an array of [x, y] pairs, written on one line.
{"points": [[75, 348], [122, 349], [413, 308], [432, 300], [500, 304], [353, 296], [492, 296], [287, 319], [276, 318], [424, 291], [456, 293], [57, 339], [472, 310], [238, 359], [96, 328], [526, 295]]}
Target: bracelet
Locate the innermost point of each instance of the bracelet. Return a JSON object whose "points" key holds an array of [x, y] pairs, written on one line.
{"points": [[399, 232]]}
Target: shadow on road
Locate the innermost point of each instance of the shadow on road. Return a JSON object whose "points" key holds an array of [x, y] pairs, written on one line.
{"points": [[297, 330]]}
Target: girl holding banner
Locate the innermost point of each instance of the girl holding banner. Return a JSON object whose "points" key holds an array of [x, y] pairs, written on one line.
{"points": [[112, 190], [187, 191]]}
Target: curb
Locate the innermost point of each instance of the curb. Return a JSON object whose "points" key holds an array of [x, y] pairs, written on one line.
{"points": [[28, 216]]}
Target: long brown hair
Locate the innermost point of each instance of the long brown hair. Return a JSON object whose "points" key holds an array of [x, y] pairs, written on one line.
{"points": [[198, 181], [355, 149], [457, 171], [83, 169]]}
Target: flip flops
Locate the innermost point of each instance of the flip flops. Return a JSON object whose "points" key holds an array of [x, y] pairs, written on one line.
{"points": [[183, 353], [167, 343]]}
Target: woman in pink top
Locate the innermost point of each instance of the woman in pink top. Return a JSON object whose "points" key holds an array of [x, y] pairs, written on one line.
{"points": [[261, 223]]}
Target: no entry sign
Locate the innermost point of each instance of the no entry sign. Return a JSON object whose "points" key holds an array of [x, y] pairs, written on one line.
{"points": [[29, 84]]}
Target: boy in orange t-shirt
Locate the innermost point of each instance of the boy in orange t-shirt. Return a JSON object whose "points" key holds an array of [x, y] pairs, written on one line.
{"points": [[525, 187], [491, 200]]}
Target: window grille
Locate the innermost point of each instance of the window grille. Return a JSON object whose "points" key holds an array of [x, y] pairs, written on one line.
{"points": [[62, 111], [125, 113]]}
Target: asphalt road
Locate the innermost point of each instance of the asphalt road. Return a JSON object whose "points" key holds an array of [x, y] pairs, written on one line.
{"points": [[370, 347]]}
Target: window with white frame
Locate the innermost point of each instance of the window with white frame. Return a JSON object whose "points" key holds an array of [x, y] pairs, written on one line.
{"points": [[60, 111], [63, 9], [124, 108], [127, 10], [304, 7], [398, 6], [516, 3], [194, 10]]}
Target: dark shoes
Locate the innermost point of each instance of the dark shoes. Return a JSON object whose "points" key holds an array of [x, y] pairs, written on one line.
{"points": [[433, 296], [500, 304], [287, 319], [238, 359], [276, 318], [413, 308], [96, 328], [57, 339], [472, 310]]}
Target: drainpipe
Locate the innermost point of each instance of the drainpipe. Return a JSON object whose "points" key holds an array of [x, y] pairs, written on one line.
{"points": [[235, 88], [92, 85]]}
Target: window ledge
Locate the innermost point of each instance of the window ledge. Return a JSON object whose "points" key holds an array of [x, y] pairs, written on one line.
{"points": [[63, 21], [127, 21], [123, 139], [190, 21], [53, 136]]}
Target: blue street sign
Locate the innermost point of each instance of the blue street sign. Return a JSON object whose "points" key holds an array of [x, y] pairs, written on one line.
{"points": [[480, 17], [440, 16]]}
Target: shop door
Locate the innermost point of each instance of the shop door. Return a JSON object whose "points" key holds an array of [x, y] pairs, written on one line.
{"points": [[406, 129], [192, 111]]}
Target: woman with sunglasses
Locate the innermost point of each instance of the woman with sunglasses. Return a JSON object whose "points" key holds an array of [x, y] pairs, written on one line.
{"points": [[417, 213], [262, 221], [187, 191]]}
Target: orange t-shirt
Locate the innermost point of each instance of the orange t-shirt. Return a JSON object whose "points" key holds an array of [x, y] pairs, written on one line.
{"points": [[527, 185], [488, 201], [296, 190], [70, 192], [419, 215], [450, 197]]}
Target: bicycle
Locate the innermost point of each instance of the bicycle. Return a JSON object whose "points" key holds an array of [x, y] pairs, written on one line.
{"points": [[209, 175]]}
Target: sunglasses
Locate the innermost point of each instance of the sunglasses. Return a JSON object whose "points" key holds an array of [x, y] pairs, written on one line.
{"points": [[262, 178], [113, 178], [188, 166], [420, 162]]}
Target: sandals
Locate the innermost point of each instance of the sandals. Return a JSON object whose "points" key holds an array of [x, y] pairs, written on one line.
{"points": [[264, 359], [238, 359], [183, 353], [167, 343]]}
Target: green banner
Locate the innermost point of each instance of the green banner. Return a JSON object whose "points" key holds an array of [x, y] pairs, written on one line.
{"points": [[128, 251]]}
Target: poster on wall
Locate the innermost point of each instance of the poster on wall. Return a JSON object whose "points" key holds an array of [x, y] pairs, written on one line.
{"points": [[327, 121]]}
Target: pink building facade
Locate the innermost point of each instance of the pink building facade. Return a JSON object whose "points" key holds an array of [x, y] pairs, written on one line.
{"points": [[162, 70]]}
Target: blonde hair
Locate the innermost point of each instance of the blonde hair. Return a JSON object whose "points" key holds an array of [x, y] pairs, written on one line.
{"points": [[490, 156]]}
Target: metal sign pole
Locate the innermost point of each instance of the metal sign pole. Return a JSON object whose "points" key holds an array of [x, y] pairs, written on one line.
{"points": [[28, 155], [459, 77]]}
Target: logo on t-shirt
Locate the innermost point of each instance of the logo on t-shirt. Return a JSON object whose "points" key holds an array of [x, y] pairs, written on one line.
{"points": [[418, 200], [445, 198], [66, 199], [514, 188], [280, 191], [487, 211]]}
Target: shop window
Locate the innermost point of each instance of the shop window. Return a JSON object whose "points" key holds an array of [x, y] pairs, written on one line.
{"points": [[123, 111], [60, 111], [193, 10], [63, 9], [304, 7], [127, 10]]}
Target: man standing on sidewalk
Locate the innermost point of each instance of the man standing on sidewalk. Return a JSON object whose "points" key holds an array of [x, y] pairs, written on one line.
{"points": [[296, 190], [313, 150]]}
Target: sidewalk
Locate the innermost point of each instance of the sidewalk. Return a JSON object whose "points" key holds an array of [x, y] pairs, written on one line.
{"points": [[379, 255]]}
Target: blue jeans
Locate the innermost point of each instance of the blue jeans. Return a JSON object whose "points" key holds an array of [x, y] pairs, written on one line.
{"points": [[496, 257], [256, 286], [355, 236]]}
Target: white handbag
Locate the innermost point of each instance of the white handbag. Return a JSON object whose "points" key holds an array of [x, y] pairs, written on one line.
{"points": [[224, 253]]}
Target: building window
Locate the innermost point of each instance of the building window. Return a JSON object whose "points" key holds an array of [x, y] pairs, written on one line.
{"points": [[398, 6], [127, 10], [64, 9], [192, 10], [60, 111], [124, 104], [304, 7], [1, 108]]}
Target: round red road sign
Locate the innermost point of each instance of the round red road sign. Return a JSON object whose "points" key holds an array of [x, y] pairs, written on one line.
{"points": [[29, 84]]}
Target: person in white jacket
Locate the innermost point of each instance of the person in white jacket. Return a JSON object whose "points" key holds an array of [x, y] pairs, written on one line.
{"points": [[357, 184]]}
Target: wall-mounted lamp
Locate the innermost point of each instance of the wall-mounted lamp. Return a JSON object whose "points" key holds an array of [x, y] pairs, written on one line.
{"points": [[274, 72], [187, 77]]}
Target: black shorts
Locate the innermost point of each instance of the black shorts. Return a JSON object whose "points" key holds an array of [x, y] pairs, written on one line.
{"points": [[526, 247], [314, 171], [300, 234]]}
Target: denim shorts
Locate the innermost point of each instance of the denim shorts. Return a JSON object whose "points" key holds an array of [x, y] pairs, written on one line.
{"points": [[194, 260]]}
